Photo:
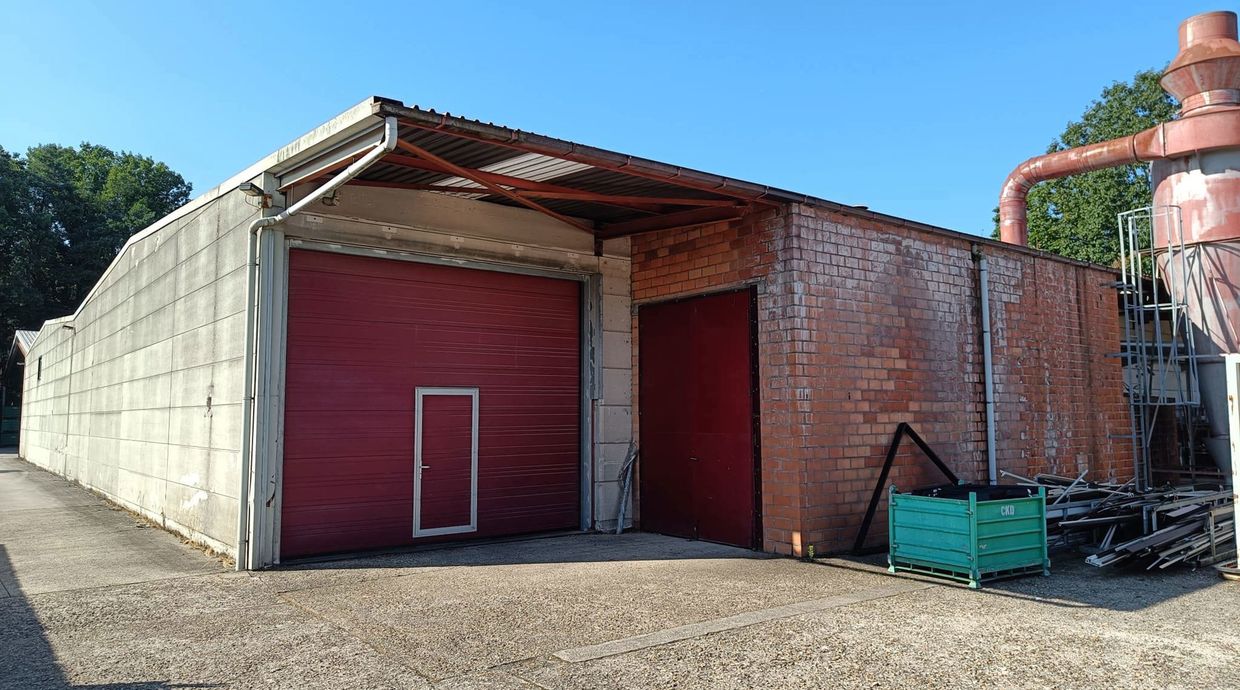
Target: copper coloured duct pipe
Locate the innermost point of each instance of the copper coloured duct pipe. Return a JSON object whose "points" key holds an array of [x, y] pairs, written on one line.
{"points": [[1194, 169], [1013, 200], [1203, 77]]}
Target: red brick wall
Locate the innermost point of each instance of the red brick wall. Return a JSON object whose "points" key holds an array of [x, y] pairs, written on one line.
{"points": [[1057, 394], [894, 336], [863, 325], [723, 256]]}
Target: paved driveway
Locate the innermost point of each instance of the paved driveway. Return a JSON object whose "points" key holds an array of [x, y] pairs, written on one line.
{"points": [[93, 599]]}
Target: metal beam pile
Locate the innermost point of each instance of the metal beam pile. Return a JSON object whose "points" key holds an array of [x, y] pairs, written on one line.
{"points": [[1193, 527], [1068, 499], [1154, 529]]}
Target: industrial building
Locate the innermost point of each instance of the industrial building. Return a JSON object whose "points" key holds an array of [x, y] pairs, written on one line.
{"points": [[407, 327]]}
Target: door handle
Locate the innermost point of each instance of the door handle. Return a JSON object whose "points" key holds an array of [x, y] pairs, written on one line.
{"points": [[425, 467]]}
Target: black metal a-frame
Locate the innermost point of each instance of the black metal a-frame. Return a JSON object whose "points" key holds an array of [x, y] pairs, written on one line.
{"points": [[902, 430]]}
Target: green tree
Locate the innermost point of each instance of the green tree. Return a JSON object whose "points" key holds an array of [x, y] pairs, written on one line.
{"points": [[27, 250], [1075, 216], [64, 214]]}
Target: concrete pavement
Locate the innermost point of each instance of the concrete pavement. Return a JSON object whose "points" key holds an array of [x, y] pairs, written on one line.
{"points": [[60, 534], [93, 600]]}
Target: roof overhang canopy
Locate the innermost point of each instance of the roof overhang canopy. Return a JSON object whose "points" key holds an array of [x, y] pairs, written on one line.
{"points": [[604, 193], [599, 192]]}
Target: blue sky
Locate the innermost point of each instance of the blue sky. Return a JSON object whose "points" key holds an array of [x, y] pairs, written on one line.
{"points": [[918, 109]]}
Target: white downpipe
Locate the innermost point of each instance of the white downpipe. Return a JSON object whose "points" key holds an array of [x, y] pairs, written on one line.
{"points": [[387, 145], [988, 374]]}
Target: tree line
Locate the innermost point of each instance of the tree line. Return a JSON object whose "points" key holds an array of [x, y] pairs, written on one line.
{"points": [[64, 214]]}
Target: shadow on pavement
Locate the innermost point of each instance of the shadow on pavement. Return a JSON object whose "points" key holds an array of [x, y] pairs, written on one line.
{"points": [[1072, 583], [28, 661], [574, 547]]}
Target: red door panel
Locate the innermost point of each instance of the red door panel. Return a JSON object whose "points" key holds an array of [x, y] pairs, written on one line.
{"points": [[666, 473], [363, 335], [722, 418], [696, 403], [447, 473]]}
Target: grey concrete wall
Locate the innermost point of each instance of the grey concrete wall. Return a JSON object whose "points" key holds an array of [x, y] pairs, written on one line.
{"points": [[140, 393], [468, 230]]}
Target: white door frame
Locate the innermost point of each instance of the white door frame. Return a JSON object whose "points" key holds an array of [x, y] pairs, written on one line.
{"points": [[420, 393]]}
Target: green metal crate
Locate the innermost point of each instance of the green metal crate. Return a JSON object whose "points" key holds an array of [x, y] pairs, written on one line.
{"points": [[967, 540]]}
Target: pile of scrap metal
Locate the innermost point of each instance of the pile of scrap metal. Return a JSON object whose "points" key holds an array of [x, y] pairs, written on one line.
{"points": [[1182, 526], [1068, 499], [1154, 528]]}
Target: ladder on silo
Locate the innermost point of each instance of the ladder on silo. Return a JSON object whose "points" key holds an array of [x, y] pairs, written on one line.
{"points": [[1157, 351]]}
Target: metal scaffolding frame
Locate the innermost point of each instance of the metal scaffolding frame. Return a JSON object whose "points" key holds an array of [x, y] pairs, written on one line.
{"points": [[1158, 351]]}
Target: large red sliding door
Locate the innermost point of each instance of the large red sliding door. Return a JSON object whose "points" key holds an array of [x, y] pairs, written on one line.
{"points": [[696, 400], [477, 373]]}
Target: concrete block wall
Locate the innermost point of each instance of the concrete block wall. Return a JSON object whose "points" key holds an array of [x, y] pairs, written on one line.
{"points": [[863, 325], [44, 419], [140, 397], [614, 407]]}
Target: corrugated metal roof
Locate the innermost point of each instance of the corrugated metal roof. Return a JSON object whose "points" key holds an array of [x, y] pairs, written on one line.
{"points": [[476, 144], [22, 341], [655, 177], [563, 184], [25, 340], [534, 167], [663, 179]]}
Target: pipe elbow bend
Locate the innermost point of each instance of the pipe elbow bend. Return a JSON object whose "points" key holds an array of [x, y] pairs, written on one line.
{"points": [[1013, 204]]}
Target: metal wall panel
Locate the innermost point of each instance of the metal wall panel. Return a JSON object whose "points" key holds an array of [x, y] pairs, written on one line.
{"points": [[363, 335]]}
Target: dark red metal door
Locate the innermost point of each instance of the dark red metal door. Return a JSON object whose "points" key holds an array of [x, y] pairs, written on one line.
{"points": [[364, 335], [698, 460]]}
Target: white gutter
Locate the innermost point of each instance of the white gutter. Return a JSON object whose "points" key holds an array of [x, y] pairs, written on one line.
{"points": [[385, 146], [988, 374]]}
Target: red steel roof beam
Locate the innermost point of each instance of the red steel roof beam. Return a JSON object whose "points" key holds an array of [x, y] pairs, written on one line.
{"points": [[516, 183], [631, 166], [473, 176], [638, 202]]}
